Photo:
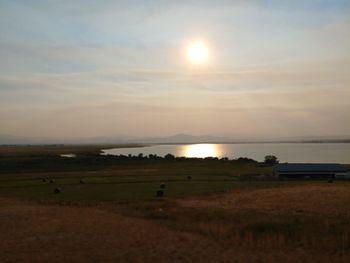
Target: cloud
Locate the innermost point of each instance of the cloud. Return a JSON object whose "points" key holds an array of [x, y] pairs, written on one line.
{"points": [[85, 69], [146, 119]]}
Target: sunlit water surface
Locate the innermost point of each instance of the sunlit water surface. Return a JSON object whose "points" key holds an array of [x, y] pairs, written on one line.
{"points": [[286, 152], [68, 155]]}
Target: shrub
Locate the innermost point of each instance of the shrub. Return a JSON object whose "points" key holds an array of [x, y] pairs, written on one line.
{"points": [[270, 159]]}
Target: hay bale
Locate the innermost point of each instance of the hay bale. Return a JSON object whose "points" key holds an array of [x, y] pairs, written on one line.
{"points": [[57, 190], [162, 186], [160, 193]]}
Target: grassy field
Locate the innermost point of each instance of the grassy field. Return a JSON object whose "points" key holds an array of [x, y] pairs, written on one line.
{"points": [[107, 178], [227, 212]]}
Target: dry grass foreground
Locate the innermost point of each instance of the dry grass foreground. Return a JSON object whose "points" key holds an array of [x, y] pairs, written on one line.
{"points": [[50, 233], [308, 223], [330, 200]]}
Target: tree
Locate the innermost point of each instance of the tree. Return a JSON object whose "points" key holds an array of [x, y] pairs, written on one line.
{"points": [[270, 159], [169, 156]]}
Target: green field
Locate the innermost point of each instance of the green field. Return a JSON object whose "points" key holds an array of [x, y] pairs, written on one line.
{"points": [[34, 173], [125, 188], [128, 181]]}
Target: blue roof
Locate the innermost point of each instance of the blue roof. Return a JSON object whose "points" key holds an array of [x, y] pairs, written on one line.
{"points": [[309, 167]]}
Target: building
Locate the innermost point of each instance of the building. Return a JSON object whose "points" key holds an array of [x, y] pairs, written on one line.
{"points": [[315, 170]]}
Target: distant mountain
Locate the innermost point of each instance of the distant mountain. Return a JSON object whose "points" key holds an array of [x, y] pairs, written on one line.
{"points": [[319, 138], [183, 138], [18, 140], [174, 139], [178, 138], [9, 139]]}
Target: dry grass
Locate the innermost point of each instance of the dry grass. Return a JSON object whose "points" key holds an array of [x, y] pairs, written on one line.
{"points": [[42, 233], [306, 223], [322, 198]]}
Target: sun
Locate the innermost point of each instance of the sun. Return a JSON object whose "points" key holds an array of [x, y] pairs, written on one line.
{"points": [[197, 52]]}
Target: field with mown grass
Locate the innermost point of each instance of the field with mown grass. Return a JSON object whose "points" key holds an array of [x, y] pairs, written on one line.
{"points": [[107, 211]]}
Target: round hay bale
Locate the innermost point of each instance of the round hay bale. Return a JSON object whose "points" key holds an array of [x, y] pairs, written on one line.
{"points": [[57, 190], [160, 193]]}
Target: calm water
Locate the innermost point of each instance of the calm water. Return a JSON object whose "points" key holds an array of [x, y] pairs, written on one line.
{"points": [[286, 152], [68, 155]]}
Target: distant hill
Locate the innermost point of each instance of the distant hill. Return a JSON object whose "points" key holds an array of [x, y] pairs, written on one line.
{"points": [[184, 138], [14, 140], [9, 139], [178, 138], [173, 139]]}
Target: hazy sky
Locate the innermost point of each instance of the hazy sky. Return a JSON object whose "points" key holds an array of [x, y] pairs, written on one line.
{"points": [[94, 68]]}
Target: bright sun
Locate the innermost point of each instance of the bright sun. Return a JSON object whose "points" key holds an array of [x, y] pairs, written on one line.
{"points": [[197, 52]]}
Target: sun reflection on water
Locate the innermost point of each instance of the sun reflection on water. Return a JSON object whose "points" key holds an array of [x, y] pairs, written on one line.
{"points": [[201, 150]]}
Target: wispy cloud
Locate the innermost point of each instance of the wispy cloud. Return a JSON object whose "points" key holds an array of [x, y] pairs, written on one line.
{"points": [[88, 68]]}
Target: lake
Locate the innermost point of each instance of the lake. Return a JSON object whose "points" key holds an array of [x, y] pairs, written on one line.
{"points": [[286, 152]]}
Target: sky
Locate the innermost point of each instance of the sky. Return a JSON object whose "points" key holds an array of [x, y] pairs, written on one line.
{"points": [[79, 69]]}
